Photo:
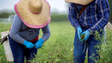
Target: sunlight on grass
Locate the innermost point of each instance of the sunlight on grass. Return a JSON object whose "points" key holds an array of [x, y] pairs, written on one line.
{"points": [[59, 47]]}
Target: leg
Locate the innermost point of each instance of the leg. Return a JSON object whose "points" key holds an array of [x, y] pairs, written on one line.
{"points": [[92, 50], [92, 53], [79, 56], [30, 54], [17, 51]]}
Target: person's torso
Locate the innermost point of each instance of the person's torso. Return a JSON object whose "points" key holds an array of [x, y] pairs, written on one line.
{"points": [[90, 16], [30, 33]]}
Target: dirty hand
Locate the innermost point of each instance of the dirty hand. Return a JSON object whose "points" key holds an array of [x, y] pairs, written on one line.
{"points": [[79, 31], [28, 44], [39, 43], [87, 34]]}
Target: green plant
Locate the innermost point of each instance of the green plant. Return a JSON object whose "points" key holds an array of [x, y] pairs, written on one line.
{"points": [[104, 48], [0, 58], [59, 47]]}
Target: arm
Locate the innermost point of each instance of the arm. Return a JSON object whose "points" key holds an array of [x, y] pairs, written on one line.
{"points": [[15, 30], [14, 33], [46, 33], [72, 16], [104, 12]]}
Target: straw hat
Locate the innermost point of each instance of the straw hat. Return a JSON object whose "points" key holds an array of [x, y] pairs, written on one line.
{"points": [[33, 13], [82, 2]]}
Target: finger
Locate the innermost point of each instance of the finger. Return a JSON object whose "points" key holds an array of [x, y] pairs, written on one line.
{"points": [[80, 39], [33, 45], [80, 31], [79, 36], [84, 39], [36, 47]]}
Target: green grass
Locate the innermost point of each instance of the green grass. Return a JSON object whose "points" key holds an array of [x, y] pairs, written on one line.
{"points": [[59, 47], [3, 27]]}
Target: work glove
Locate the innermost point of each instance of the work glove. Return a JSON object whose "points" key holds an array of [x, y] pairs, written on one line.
{"points": [[79, 31], [87, 34], [28, 44], [39, 43]]}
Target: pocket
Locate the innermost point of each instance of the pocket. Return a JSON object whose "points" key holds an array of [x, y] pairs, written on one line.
{"points": [[93, 40], [76, 39], [11, 41]]}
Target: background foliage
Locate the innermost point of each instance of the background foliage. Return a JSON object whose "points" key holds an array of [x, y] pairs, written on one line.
{"points": [[110, 3], [59, 47], [55, 15]]}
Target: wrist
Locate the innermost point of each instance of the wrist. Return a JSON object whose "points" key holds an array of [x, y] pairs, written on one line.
{"points": [[78, 27], [41, 40], [25, 42], [90, 31]]}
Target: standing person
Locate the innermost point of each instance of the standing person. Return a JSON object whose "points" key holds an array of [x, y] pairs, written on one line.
{"points": [[31, 16], [94, 17]]}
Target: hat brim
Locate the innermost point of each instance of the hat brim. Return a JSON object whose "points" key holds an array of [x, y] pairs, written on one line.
{"points": [[81, 2], [33, 20]]}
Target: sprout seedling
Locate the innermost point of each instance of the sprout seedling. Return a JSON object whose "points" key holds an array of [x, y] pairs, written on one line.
{"points": [[82, 37]]}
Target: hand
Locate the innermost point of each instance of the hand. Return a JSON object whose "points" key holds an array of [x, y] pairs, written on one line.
{"points": [[79, 31], [28, 44], [87, 34], [39, 43]]}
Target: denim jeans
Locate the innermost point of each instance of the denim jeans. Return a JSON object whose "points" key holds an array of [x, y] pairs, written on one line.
{"points": [[20, 52], [80, 53]]}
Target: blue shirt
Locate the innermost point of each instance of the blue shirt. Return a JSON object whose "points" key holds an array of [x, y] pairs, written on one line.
{"points": [[94, 17], [28, 35]]}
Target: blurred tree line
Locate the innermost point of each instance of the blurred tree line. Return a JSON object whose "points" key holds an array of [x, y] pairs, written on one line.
{"points": [[58, 16], [55, 15], [6, 13]]}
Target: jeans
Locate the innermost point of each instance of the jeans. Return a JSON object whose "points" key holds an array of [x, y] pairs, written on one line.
{"points": [[80, 48], [20, 52]]}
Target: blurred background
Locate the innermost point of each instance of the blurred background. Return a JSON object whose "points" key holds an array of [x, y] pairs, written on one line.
{"points": [[59, 10], [59, 47]]}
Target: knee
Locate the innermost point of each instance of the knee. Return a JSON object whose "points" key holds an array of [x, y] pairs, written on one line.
{"points": [[78, 57]]}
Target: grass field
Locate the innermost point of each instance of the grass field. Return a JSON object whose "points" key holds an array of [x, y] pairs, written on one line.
{"points": [[60, 44], [59, 47]]}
